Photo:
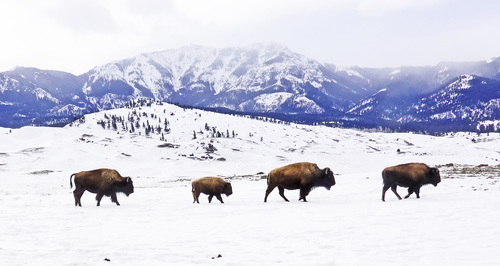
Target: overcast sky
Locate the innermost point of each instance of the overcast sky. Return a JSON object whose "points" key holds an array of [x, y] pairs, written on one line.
{"points": [[76, 35]]}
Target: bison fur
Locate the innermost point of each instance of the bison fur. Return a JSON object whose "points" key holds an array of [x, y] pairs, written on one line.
{"points": [[304, 176], [410, 175], [103, 182], [212, 186]]}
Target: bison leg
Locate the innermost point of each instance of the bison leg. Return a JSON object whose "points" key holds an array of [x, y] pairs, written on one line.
{"points": [[268, 190], [77, 193], [114, 198], [210, 198], [410, 191], [196, 194], [282, 192], [219, 198], [393, 188], [98, 197], [384, 189], [417, 191], [303, 193]]}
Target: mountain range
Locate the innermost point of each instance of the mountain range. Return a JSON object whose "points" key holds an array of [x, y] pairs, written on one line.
{"points": [[268, 80]]}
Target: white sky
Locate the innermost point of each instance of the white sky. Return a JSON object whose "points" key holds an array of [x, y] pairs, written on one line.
{"points": [[76, 35]]}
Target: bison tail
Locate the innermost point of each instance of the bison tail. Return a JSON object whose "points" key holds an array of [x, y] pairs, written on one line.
{"points": [[71, 183]]}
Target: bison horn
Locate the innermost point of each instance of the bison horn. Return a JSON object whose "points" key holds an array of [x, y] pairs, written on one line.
{"points": [[128, 179]]}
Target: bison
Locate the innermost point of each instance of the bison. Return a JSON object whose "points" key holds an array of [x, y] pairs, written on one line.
{"points": [[410, 175], [304, 176], [103, 182], [212, 186]]}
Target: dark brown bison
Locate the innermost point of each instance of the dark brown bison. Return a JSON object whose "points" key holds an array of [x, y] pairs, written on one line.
{"points": [[103, 182], [410, 175], [212, 186], [304, 176]]}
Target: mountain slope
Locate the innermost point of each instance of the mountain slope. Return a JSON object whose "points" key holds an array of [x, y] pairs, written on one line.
{"points": [[34, 96], [233, 78], [468, 98], [265, 79]]}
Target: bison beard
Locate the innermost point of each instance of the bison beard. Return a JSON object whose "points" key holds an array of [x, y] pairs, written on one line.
{"points": [[103, 182]]}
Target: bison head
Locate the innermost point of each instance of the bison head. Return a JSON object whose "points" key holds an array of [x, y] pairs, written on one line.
{"points": [[126, 186], [228, 189], [327, 180], [434, 177]]}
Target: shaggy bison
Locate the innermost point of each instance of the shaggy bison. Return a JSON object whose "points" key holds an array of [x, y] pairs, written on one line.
{"points": [[212, 186], [103, 182], [304, 176], [410, 175]]}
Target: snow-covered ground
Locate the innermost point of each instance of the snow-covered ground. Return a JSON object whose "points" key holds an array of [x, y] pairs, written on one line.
{"points": [[454, 223]]}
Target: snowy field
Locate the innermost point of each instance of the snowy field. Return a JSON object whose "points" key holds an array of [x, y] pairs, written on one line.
{"points": [[455, 223]]}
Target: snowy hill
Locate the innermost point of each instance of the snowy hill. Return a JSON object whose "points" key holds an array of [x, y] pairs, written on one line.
{"points": [[159, 224]]}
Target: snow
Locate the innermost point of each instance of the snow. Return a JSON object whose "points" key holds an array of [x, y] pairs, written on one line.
{"points": [[463, 83], [5, 103], [349, 71], [451, 224], [69, 108], [42, 94], [395, 72], [252, 67], [310, 106], [267, 102], [494, 124], [444, 115], [442, 75]]}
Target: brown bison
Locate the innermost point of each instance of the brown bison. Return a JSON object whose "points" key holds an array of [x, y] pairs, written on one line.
{"points": [[103, 182], [304, 176], [410, 175], [212, 186]]}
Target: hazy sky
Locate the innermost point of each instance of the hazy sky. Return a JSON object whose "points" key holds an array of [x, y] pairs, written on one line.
{"points": [[76, 35]]}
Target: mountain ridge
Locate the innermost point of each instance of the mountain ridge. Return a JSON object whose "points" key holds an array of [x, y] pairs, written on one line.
{"points": [[260, 78]]}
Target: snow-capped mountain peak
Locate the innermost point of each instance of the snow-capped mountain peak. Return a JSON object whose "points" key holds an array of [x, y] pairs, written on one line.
{"points": [[259, 78]]}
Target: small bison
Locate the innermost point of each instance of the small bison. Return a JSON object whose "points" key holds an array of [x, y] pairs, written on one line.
{"points": [[304, 176], [103, 182], [410, 175], [212, 186]]}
